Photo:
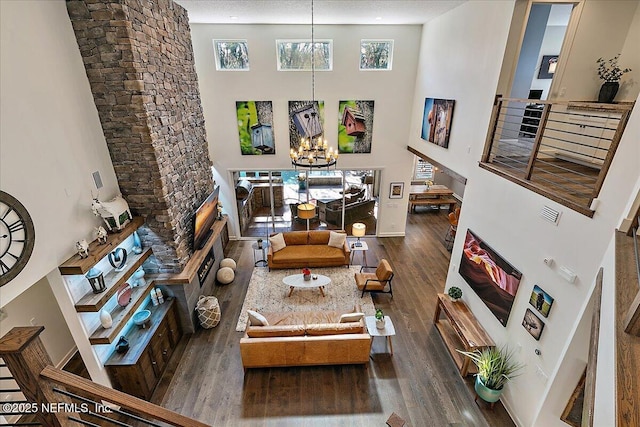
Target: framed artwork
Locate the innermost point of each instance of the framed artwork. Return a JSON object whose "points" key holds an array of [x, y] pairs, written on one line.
{"points": [[397, 190], [436, 120], [533, 324], [541, 300], [355, 126], [548, 66], [255, 127], [231, 55], [306, 120]]}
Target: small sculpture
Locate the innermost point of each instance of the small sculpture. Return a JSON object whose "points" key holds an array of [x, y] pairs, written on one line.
{"points": [[83, 248], [102, 235], [115, 212]]}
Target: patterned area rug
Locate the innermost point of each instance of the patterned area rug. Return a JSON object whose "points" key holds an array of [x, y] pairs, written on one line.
{"points": [[267, 293]]}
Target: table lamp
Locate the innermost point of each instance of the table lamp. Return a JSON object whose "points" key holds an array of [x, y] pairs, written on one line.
{"points": [[358, 230]]}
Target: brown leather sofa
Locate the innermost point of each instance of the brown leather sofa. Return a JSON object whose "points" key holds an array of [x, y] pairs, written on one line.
{"points": [[308, 249], [305, 339]]}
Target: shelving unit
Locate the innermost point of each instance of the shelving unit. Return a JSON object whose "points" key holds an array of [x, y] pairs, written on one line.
{"points": [[93, 302]]}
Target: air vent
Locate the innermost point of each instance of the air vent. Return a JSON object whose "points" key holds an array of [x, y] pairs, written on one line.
{"points": [[550, 215]]}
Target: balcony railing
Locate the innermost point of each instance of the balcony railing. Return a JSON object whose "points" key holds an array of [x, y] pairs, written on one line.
{"points": [[561, 150]]}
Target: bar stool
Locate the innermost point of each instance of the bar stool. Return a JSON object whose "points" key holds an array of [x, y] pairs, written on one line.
{"points": [[453, 227]]}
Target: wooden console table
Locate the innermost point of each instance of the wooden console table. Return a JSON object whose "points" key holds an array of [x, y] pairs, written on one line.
{"points": [[461, 330]]}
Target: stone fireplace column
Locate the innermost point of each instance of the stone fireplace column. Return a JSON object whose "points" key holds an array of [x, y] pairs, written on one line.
{"points": [[139, 61]]}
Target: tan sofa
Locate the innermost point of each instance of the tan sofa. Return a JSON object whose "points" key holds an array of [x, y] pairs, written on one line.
{"points": [[305, 338], [308, 249]]}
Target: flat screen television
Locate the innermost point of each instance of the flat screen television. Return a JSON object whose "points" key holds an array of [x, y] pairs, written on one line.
{"points": [[204, 218], [492, 278]]}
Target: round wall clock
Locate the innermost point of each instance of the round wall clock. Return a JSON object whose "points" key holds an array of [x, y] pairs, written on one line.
{"points": [[17, 237]]}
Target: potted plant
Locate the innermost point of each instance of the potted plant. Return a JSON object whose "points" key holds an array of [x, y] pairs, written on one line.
{"points": [[611, 73], [380, 322], [455, 293], [496, 367]]}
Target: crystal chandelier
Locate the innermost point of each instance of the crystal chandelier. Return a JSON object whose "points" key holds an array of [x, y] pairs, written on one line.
{"points": [[313, 151]]}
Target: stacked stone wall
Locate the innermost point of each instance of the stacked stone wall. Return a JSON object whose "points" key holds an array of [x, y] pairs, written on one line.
{"points": [[139, 61]]}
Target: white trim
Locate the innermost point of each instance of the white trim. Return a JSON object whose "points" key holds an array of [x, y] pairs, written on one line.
{"points": [[67, 357], [392, 234]]}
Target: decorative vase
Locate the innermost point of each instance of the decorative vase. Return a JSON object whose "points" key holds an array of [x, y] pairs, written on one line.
{"points": [[487, 394], [105, 319], [608, 92], [306, 277], [137, 243], [380, 323], [452, 299]]}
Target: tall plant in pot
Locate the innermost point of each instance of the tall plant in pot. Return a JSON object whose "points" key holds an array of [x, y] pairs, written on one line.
{"points": [[496, 367], [611, 73]]}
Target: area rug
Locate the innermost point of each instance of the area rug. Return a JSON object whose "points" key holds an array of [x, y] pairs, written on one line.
{"points": [[267, 293]]}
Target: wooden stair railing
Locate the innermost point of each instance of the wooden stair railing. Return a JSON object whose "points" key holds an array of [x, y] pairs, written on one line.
{"points": [[43, 385]]}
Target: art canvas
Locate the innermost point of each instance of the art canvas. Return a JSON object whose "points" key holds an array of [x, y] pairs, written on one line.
{"points": [[541, 300], [355, 126], [533, 324], [255, 127], [306, 120], [436, 120], [492, 278]]}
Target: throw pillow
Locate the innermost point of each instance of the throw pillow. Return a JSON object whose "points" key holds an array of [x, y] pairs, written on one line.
{"points": [[257, 319], [277, 242], [351, 317], [337, 239]]}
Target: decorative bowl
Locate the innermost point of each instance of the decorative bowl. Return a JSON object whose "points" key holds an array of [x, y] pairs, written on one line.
{"points": [[141, 317]]}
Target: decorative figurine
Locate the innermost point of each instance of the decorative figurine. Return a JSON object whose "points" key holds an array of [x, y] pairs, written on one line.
{"points": [[137, 243], [102, 235], [138, 278], [83, 248], [115, 212], [118, 259]]}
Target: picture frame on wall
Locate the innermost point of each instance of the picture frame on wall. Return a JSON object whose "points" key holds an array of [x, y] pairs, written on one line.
{"points": [[541, 300], [547, 66], [533, 324], [436, 121], [396, 190]]}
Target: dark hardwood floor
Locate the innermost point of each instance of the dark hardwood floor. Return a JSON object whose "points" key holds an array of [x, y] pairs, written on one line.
{"points": [[419, 382]]}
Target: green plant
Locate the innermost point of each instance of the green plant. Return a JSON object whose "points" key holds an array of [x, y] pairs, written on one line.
{"points": [[496, 366], [379, 314], [609, 70], [455, 292]]}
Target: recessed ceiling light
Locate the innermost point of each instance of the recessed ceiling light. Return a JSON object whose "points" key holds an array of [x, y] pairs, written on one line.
{"points": [[233, 17], [378, 18]]}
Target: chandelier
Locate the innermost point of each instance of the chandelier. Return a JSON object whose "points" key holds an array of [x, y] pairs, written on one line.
{"points": [[313, 151]]}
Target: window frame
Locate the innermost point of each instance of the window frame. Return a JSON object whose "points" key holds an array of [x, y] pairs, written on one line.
{"points": [[279, 64], [217, 54], [390, 61]]}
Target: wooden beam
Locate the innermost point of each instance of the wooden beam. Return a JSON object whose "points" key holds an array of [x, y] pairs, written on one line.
{"points": [[592, 364]]}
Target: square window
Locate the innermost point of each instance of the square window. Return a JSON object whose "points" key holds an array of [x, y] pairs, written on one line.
{"points": [[295, 55], [231, 55], [376, 54]]}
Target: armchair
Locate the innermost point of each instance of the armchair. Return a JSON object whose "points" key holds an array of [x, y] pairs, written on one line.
{"points": [[377, 281]]}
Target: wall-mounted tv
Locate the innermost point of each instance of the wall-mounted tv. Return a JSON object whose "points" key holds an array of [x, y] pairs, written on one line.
{"points": [[204, 218], [490, 276]]}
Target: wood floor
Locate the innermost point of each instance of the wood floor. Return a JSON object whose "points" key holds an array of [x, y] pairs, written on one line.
{"points": [[419, 382]]}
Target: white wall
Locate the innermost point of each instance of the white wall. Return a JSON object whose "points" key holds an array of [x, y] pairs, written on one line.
{"points": [[50, 143], [50, 139], [507, 215], [392, 92]]}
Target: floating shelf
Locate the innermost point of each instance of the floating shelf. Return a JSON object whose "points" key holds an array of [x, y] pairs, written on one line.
{"points": [[92, 302], [77, 265], [120, 316]]}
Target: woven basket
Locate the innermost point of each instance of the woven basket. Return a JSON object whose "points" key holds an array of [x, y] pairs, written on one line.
{"points": [[208, 310]]}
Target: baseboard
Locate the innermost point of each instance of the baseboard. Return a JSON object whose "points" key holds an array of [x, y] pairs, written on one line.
{"points": [[392, 234], [67, 357]]}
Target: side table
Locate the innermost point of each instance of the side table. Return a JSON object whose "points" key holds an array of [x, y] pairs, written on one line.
{"points": [[259, 254], [388, 331], [363, 248]]}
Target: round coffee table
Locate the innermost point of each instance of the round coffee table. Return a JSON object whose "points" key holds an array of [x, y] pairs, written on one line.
{"points": [[297, 281]]}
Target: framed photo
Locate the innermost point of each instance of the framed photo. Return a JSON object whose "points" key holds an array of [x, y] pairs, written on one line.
{"points": [[397, 190], [541, 300], [436, 120], [533, 324], [548, 66]]}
